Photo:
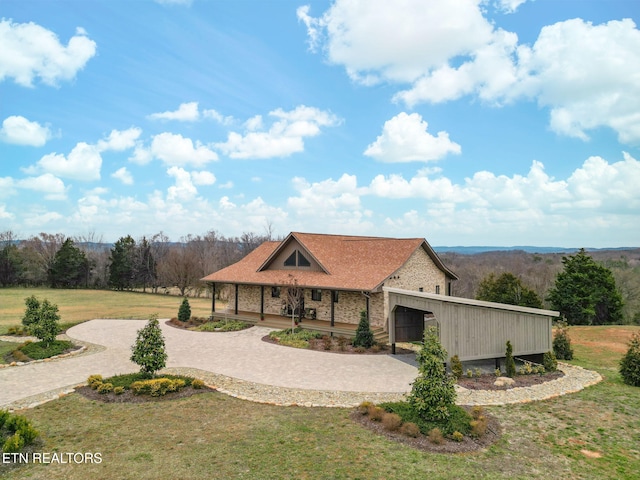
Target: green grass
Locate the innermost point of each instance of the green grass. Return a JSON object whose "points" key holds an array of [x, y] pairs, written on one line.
{"points": [[222, 326], [6, 348], [76, 305], [298, 338], [216, 436]]}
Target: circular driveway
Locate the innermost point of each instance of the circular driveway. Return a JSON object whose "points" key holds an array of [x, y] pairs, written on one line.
{"points": [[242, 355]]}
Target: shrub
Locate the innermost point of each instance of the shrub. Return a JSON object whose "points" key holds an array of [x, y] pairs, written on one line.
{"points": [[4, 416], [40, 350], [149, 349], [184, 312], [118, 390], [19, 356], [94, 380], [359, 349], [410, 429], [391, 421], [477, 411], [364, 335], [456, 367], [562, 343], [157, 387], [13, 444], [327, 341], [197, 383], [457, 436], [478, 426], [376, 413], [435, 436], [457, 419], [549, 361], [526, 369], [497, 372], [105, 388], [433, 392], [630, 363], [510, 363], [363, 408], [18, 331]]}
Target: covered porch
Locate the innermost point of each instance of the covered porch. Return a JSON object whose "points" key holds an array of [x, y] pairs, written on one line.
{"points": [[282, 322]]}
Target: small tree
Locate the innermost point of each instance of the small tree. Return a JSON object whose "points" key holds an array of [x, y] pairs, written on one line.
{"points": [[433, 392], [184, 312], [149, 349], [507, 288], [630, 363], [295, 296], [456, 366], [510, 363], [41, 319], [364, 335], [562, 343]]}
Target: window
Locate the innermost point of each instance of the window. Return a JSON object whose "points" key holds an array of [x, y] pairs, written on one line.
{"points": [[438, 289], [420, 289], [334, 296], [316, 295], [275, 292], [296, 259]]}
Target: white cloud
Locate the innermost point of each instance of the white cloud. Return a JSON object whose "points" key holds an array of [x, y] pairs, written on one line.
{"points": [[7, 185], [141, 155], [217, 116], [30, 51], [176, 150], [20, 131], [203, 178], [187, 112], [405, 138], [285, 136], [83, 163], [585, 74], [51, 186], [123, 175], [120, 140], [509, 6], [357, 35], [184, 189], [588, 75], [4, 214]]}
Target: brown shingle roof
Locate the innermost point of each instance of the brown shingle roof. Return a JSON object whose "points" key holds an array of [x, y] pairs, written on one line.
{"points": [[350, 262]]}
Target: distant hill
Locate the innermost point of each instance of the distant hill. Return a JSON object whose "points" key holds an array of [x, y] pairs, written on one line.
{"points": [[528, 249]]}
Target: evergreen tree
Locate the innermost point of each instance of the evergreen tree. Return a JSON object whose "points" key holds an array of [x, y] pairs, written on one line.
{"points": [[41, 319], [507, 288], [510, 363], [145, 269], [364, 335], [630, 363], [122, 264], [10, 265], [149, 349], [184, 312], [70, 267], [432, 393], [585, 292]]}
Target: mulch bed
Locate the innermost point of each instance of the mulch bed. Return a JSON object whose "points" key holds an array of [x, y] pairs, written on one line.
{"points": [[129, 397], [318, 345], [193, 322], [421, 442], [485, 381]]}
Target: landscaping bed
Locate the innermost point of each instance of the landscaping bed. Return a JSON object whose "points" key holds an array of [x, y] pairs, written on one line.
{"points": [[30, 351], [486, 381], [199, 324], [121, 390]]}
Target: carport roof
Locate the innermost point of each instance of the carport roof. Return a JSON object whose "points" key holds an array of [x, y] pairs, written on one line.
{"points": [[347, 262]]}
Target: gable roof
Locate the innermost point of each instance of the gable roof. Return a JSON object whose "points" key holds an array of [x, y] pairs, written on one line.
{"points": [[347, 262]]}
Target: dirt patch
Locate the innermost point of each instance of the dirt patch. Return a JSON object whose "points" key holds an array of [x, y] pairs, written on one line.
{"points": [[129, 397], [421, 442], [341, 346], [486, 381], [192, 322]]}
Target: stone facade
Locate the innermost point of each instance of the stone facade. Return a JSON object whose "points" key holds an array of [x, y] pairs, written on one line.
{"points": [[419, 272]]}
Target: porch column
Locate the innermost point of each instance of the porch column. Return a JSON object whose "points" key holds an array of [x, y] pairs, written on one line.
{"points": [[366, 295], [261, 301], [213, 297], [333, 310], [236, 309]]}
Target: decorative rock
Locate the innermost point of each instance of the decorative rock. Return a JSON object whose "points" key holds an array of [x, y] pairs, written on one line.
{"points": [[504, 382]]}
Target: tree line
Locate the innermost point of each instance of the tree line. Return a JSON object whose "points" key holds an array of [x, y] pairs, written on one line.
{"points": [[596, 288], [149, 263]]}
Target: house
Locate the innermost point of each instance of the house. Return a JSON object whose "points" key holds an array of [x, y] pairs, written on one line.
{"points": [[338, 276]]}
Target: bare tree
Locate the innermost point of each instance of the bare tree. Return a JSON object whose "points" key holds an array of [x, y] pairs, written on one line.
{"points": [[295, 296]]}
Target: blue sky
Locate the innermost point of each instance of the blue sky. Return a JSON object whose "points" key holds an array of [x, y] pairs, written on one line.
{"points": [[499, 122]]}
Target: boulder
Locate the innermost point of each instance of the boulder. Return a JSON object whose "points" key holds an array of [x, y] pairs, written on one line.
{"points": [[504, 382]]}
